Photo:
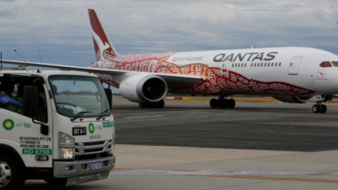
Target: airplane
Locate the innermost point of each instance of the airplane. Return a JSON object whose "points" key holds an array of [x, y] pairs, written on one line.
{"points": [[288, 74]]}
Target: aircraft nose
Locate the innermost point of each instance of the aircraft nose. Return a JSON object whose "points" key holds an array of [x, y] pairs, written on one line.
{"points": [[334, 75], [325, 76]]}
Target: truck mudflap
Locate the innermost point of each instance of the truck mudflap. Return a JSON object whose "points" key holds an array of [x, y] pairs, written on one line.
{"points": [[83, 171], [87, 178]]}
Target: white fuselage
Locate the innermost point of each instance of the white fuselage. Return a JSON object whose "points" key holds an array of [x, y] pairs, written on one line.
{"points": [[287, 71]]}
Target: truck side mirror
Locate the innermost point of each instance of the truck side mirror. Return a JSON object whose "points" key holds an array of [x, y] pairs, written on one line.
{"points": [[30, 101], [44, 129], [109, 95]]}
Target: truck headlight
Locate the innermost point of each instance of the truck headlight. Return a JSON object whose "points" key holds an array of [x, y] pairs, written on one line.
{"points": [[67, 153], [66, 146]]}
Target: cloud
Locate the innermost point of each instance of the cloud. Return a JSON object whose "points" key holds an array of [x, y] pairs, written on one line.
{"points": [[61, 28]]}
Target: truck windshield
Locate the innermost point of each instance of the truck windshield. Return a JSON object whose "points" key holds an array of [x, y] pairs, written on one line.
{"points": [[76, 94]]}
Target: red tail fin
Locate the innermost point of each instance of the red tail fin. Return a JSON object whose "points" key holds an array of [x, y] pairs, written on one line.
{"points": [[104, 49]]}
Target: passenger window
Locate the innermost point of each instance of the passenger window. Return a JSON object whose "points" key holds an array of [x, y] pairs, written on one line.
{"points": [[325, 64]]}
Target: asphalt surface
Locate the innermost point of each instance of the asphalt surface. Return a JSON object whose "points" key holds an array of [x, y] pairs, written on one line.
{"points": [[260, 126], [188, 145]]}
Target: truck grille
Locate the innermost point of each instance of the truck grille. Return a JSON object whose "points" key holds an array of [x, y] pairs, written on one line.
{"points": [[93, 143], [92, 150]]}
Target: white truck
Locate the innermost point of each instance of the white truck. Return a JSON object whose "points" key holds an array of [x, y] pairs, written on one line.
{"points": [[63, 134]]}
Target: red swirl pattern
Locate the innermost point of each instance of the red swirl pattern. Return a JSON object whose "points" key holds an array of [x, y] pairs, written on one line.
{"points": [[216, 83]]}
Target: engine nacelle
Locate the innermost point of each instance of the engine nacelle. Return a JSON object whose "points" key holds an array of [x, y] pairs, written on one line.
{"points": [[294, 99], [143, 88]]}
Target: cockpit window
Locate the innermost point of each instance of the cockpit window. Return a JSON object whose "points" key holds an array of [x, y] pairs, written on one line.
{"points": [[325, 64], [335, 63]]}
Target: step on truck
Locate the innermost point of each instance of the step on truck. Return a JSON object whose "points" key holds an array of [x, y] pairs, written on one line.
{"points": [[56, 126]]}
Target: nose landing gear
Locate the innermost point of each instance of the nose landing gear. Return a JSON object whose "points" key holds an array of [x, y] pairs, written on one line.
{"points": [[319, 108], [221, 102]]}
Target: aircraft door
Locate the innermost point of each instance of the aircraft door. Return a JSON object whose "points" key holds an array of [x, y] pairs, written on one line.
{"points": [[225, 70], [294, 65]]}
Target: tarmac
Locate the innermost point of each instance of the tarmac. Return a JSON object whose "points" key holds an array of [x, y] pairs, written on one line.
{"points": [[188, 145]]}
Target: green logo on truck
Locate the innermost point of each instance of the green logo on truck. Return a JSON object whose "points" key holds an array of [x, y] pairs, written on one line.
{"points": [[8, 124], [91, 128]]}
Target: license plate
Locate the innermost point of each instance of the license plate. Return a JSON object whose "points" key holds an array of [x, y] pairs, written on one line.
{"points": [[96, 165], [79, 131]]}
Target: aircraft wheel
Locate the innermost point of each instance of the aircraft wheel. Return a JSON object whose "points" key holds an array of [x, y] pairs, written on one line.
{"points": [[142, 105], [160, 104], [213, 103], [150, 105], [220, 103], [323, 109], [225, 103], [315, 108], [231, 103]]}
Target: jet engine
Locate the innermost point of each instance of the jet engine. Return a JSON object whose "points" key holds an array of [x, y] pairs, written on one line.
{"points": [[294, 99], [143, 88]]}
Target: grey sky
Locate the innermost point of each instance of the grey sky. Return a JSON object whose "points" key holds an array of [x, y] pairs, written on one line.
{"points": [[61, 27]]}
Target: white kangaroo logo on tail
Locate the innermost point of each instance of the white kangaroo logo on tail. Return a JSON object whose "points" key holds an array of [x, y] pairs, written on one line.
{"points": [[99, 42]]}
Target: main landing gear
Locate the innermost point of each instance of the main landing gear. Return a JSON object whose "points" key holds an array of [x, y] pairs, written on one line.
{"points": [[221, 102], [159, 104], [319, 108]]}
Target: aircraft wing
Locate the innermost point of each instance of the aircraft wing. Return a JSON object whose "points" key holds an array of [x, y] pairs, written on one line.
{"points": [[171, 79]]}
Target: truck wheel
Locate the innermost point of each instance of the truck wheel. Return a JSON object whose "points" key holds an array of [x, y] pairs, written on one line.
{"points": [[59, 182], [11, 175]]}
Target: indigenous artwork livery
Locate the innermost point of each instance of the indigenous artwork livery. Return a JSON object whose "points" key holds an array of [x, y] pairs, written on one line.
{"points": [[289, 74]]}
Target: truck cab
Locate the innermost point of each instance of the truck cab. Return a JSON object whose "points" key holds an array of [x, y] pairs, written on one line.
{"points": [[63, 132]]}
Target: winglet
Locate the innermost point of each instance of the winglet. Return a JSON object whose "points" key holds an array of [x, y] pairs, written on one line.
{"points": [[104, 49]]}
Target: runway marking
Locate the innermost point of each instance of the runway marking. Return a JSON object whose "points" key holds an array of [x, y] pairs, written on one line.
{"points": [[146, 116], [181, 116], [243, 174], [276, 178]]}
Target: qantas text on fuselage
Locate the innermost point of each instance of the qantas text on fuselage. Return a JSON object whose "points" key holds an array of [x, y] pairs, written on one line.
{"points": [[250, 56]]}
